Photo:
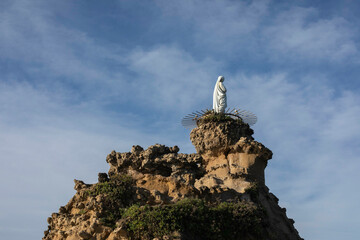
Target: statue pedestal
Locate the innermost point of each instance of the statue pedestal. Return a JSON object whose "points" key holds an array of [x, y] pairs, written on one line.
{"points": [[232, 159]]}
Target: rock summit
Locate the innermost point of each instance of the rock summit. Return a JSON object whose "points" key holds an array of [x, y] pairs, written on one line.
{"points": [[158, 193]]}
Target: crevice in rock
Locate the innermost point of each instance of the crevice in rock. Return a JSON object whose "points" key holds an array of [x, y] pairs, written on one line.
{"points": [[226, 153]]}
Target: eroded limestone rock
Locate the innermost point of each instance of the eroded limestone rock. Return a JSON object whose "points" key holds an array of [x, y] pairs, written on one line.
{"points": [[228, 167], [215, 138]]}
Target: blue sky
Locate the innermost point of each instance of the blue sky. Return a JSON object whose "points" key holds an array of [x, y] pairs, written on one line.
{"points": [[81, 78]]}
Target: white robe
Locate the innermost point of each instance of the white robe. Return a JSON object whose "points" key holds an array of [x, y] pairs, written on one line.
{"points": [[219, 97]]}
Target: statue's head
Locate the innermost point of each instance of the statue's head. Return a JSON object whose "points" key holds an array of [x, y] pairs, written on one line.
{"points": [[221, 78]]}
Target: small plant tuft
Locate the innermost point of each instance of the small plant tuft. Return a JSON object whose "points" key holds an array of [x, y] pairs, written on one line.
{"points": [[211, 116], [82, 211]]}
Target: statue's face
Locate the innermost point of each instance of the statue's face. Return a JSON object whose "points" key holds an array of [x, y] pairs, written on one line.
{"points": [[221, 78]]}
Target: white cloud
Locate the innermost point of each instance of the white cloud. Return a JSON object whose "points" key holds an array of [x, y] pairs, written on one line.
{"points": [[222, 26], [45, 144], [51, 133], [170, 78], [52, 53], [300, 32], [249, 30], [314, 135]]}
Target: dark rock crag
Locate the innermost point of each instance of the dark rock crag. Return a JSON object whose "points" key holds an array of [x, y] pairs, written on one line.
{"points": [[147, 194]]}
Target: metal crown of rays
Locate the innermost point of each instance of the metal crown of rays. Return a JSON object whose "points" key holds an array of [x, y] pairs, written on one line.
{"points": [[191, 120]]}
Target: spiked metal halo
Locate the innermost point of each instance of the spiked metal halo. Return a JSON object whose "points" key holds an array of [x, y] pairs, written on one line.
{"points": [[191, 120]]}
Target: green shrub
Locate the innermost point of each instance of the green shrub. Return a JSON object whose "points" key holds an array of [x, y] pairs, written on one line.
{"points": [[238, 220], [118, 194], [253, 191], [117, 188]]}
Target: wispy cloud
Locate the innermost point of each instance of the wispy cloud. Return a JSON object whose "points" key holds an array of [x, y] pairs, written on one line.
{"points": [[170, 78], [52, 54], [313, 135], [69, 97], [222, 26], [299, 32], [44, 145], [256, 30]]}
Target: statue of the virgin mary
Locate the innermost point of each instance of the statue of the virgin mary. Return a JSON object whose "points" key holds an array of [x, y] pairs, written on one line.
{"points": [[219, 97]]}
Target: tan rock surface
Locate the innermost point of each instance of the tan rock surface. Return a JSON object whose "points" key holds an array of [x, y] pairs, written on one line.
{"points": [[229, 166]]}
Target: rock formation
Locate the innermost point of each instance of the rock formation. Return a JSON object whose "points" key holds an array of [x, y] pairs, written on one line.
{"points": [[158, 193]]}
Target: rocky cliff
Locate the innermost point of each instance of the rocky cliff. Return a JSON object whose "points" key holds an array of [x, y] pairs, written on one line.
{"points": [[159, 193]]}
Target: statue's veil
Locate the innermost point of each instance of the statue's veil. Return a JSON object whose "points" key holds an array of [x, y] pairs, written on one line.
{"points": [[219, 96]]}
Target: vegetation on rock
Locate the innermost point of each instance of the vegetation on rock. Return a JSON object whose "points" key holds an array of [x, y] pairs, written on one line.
{"points": [[193, 217], [237, 220], [211, 116], [117, 188], [117, 193], [253, 192], [217, 193]]}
